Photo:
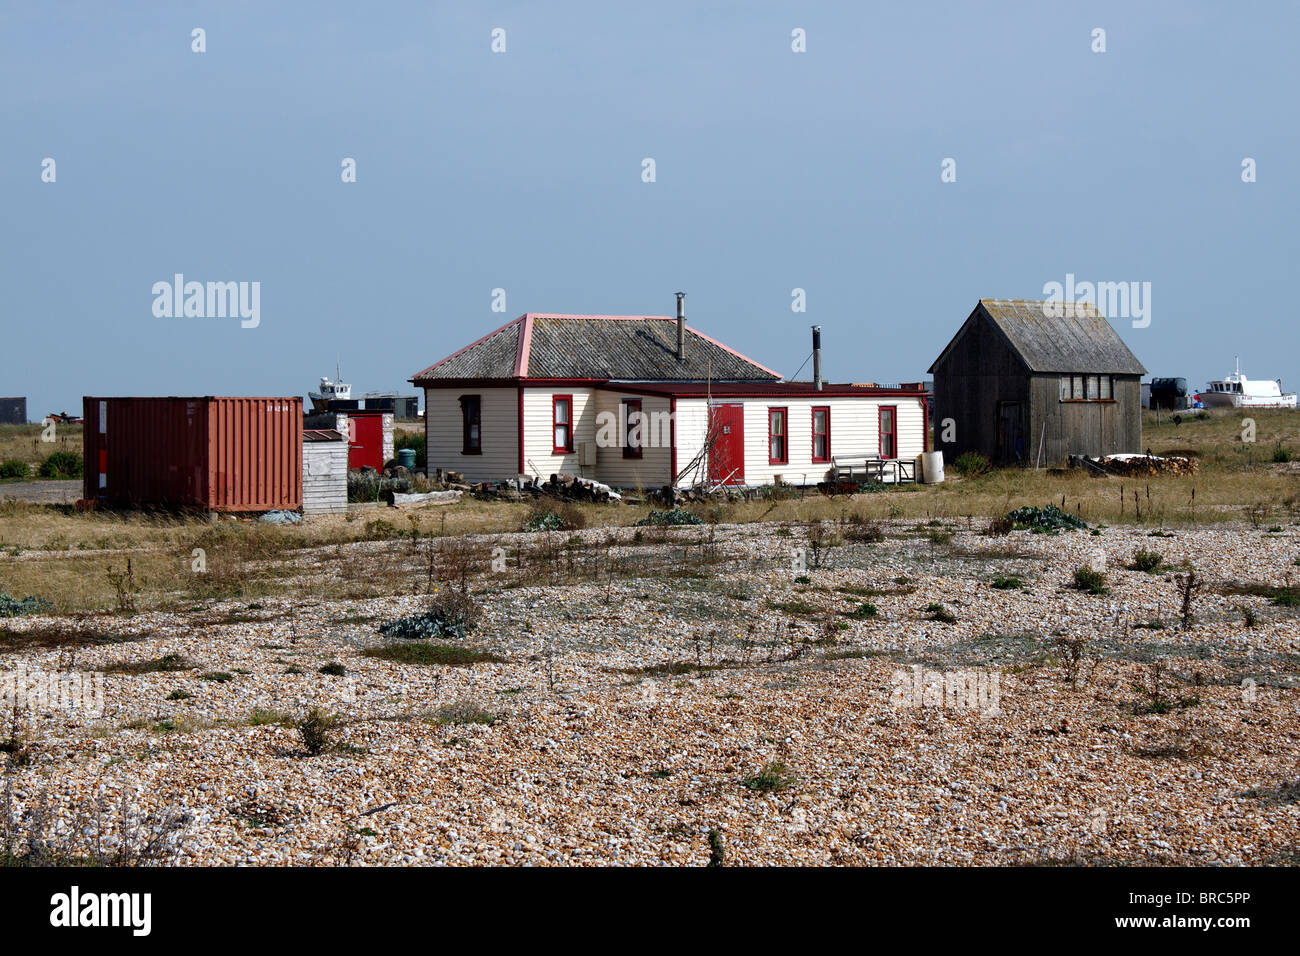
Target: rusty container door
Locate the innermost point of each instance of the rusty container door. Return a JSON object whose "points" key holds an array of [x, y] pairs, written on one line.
{"points": [[145, 451], [254, 454]]}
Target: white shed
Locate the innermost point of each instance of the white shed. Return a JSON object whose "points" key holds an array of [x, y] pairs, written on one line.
{"points": [[324, 471]]}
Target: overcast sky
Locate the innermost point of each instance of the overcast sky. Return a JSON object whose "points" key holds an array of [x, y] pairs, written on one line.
{"points": [[774, 170]]}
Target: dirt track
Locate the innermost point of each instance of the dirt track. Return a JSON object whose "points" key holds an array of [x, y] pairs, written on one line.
{"points": [[48, 492]]}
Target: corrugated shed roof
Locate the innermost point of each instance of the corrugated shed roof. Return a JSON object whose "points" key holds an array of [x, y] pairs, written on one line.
{"points": [[601, 347], [321, 434], [1080, 340]]}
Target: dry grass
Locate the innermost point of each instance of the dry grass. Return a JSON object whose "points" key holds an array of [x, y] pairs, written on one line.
{"points": [[68, 557], [23, 442]]}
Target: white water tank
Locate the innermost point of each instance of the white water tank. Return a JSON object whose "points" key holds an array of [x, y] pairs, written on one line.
{"points": [[932, 467]]}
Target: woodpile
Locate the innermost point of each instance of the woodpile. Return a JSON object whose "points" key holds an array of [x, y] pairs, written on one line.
{"points": [[561, 487], [1139, 466]]}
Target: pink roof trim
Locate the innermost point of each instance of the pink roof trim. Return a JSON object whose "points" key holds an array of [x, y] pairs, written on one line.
{"points": [[727, 348], [525, 345], [615, 318]]}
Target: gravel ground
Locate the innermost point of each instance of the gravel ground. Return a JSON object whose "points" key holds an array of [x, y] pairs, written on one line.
{"points": [[630, 719]]}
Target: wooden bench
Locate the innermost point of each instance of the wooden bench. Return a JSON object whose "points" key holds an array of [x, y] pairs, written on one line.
{"points": [[868, 469]]}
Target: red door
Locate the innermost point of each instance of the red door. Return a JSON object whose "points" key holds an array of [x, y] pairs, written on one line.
{"points": [[366, 441], [727, 459]]}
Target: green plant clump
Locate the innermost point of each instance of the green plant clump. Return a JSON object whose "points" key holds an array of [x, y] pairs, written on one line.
{"points": [[1050, 518], [1090, 580], [972, 465], [1148, 561], [773, 778], [450, 614], [61, 464], [675, 516], [13, 607], [544, 521]]}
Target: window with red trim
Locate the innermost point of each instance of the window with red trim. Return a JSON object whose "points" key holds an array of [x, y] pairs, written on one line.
{"points": [[821, 433], [778, 447], [888, 431], [633, 428], [562, 424]]}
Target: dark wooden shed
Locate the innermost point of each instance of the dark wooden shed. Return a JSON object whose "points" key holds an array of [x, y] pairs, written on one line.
{"points": [[13, 411], [1026, 381]]}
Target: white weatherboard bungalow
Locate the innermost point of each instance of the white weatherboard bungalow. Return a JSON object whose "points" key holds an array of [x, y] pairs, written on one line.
{"points": [[641, 401]]}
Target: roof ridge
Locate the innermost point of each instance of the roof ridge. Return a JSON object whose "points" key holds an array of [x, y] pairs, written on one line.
{"points": [[582, 315]]}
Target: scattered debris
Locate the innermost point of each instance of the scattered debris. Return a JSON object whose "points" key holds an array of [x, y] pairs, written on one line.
{"points": [[281, 517], [562, 487], [397, 499]]}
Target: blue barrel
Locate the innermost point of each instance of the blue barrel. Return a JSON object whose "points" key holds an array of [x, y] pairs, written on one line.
{"points": [[406, 458]]}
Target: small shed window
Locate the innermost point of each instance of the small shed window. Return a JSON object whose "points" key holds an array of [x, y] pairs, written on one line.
{"points": [[471, 425], [1087, 388], [821, 433], [562, 424], [777, 446]]}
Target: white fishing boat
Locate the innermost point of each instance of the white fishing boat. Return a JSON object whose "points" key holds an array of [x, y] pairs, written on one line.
{"points": [[330, 390], [1237, 391]]}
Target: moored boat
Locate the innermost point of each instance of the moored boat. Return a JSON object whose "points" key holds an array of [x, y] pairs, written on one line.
{"points": [[1237, 391], [330, 391]]}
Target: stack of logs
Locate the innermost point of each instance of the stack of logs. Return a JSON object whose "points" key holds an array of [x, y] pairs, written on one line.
{"points": [[1148, 466], [561, 487]]}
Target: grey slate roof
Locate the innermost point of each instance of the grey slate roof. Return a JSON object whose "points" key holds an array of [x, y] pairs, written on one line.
{"points": [[617, 348], [492, 356], [1082, 340]]}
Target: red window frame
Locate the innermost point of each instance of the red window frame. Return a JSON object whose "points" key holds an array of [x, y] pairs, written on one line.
{"points": [[631, 405], [556, 424], [825, 458], [471, 444], [893, 431], [784, 412]]}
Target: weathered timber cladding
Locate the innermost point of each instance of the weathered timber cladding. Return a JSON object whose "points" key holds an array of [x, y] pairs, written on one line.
{"points": [[997, 387], [325, 477]]}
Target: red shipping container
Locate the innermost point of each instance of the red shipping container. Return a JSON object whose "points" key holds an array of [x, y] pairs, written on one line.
{"points": [[215, 454]]}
